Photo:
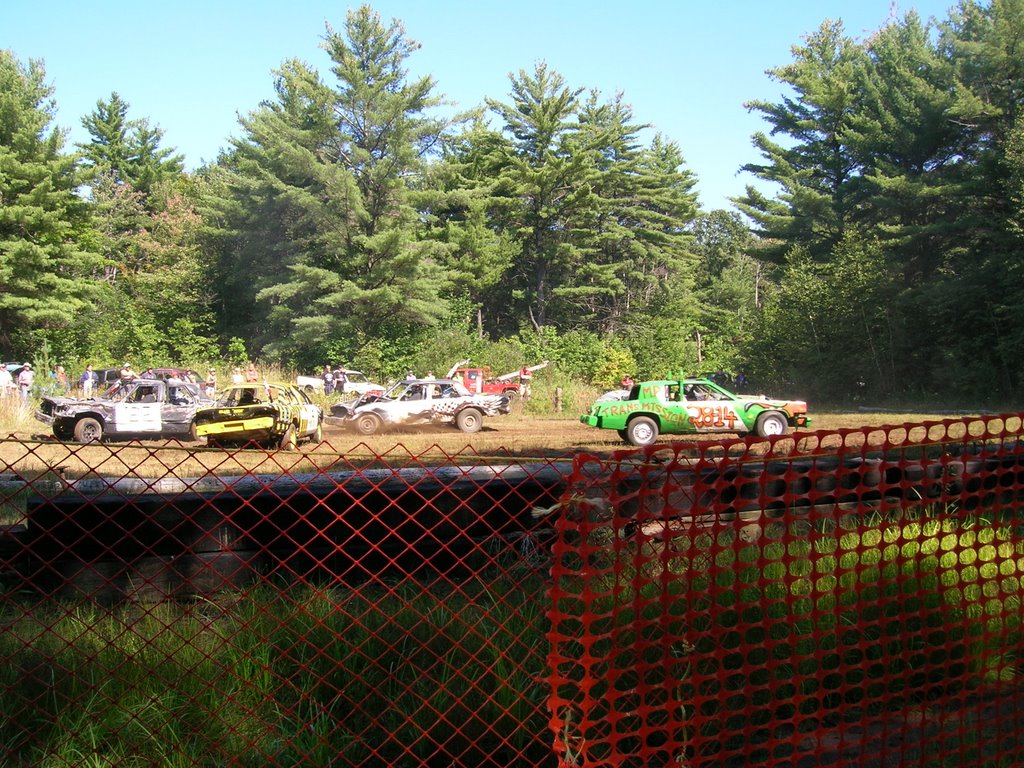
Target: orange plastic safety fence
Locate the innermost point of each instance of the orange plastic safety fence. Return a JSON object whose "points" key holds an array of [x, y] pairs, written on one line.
{"points": [[842, 599]]}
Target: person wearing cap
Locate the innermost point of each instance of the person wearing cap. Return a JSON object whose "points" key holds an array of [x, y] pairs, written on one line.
{"points": [[127, 374], [25, 379]]}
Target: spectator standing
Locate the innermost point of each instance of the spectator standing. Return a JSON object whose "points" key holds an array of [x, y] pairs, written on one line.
{"points": [[127, 374], [6, 382], [63, 386], [525, 377], [210, 385], [627, 382], [251, 374], [87, 382], [236, 375], [340, 380], [328, 379], [25, 380]]}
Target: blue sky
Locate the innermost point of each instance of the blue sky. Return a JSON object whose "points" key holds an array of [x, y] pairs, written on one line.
{"points": [[686, 67]]}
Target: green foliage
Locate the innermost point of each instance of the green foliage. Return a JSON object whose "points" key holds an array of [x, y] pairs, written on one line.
{"points": [[236, 351], [126, 150], [47, 278]]}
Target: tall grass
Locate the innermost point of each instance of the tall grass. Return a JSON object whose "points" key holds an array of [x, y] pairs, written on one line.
{"points": [[306, 677]]}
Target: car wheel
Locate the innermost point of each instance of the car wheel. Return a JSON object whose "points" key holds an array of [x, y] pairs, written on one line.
{"points": [[513, 395], [771, 424], [469, 420], [88, 430], [367, 424], [318, 434], [642, 431], [288, 439], [192, 434], [624, 434]]}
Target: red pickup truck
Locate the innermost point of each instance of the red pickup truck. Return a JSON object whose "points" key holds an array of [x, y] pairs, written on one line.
{"points": [[480, 380]]}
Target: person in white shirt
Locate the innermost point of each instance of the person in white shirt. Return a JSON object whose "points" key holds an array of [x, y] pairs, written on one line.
{"points": [[88, 382]]}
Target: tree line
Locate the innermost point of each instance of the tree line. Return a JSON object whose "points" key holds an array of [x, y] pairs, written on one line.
{"points": [[354, 220]]}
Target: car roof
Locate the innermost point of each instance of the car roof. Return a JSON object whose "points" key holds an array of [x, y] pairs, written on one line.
{"points": [[259, 384], [428, 381]]}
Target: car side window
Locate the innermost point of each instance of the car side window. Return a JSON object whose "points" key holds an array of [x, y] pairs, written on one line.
{"points": [[180, 396], [143, 395]]}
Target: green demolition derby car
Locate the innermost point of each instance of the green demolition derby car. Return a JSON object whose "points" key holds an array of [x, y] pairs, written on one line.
{"points": [[691, 406]]}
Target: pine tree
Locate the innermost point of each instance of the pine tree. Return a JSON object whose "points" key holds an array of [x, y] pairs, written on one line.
{"points": [[126, 150], [320, 189], [815, 168], [546, 183], [47, 278]]}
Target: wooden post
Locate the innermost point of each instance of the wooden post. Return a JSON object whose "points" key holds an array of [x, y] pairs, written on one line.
{"points": [[558, 399]]}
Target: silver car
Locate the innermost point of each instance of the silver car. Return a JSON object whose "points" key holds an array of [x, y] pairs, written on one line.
{"points": [[420, 401]]}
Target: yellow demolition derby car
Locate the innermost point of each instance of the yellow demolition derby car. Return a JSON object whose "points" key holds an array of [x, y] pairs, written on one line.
{"points": [[270, 415]]}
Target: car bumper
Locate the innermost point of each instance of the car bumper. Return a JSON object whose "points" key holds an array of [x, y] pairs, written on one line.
{"points": [[46, 418], [589, 420], [256, 428]]}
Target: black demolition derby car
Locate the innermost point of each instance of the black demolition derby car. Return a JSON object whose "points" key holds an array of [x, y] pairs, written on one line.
{"points": [[139, 409]]}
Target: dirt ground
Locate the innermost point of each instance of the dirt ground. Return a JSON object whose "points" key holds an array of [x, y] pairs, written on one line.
{"points": [[30, 452]]}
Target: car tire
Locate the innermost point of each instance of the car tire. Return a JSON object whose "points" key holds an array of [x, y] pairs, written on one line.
{"points": [[367, 424], [513, 395], [624, 434], [771, 424], [318, 434], [88, 430], [288, 439], [642, 431], [469, 420]]}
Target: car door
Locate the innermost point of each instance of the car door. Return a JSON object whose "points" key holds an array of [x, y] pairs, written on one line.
{"points": [[711, 410], [179, 409], [139, 411], [309, 413], [410, 405]]}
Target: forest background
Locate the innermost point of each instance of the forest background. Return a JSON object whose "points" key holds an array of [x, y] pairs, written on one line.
{"points": [[352, 222]]}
